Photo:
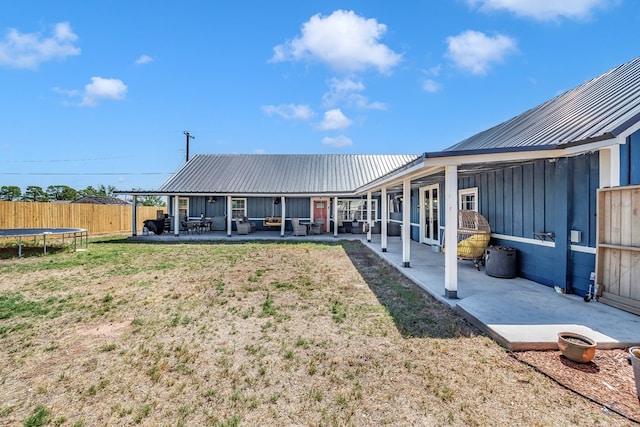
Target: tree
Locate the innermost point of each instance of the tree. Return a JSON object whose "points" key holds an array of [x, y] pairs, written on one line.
{"points": [[34, 193], [10, 192], [151, 200], [106, 191], [61, 192], [100, 191]]}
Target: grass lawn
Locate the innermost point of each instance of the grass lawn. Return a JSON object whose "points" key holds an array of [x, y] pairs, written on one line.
{"points": [[251, 334]]}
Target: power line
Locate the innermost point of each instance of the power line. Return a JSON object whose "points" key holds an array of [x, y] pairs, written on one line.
{"points": [[68, 160], [84, 173]]}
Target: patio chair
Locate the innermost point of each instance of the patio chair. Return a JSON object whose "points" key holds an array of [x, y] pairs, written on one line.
{"points": [[242, 227], [298, 229], [252, 225], [318, 226], [186, 226]]}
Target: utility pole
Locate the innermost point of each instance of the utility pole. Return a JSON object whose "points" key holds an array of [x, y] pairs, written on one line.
{"points": [[189, 136]]}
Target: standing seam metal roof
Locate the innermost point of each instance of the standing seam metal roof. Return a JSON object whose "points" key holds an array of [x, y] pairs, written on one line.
{"points": [[280, 173], [600, 108]]}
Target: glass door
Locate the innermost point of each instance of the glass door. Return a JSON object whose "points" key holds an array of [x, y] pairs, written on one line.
{"points": [[430, 215]]}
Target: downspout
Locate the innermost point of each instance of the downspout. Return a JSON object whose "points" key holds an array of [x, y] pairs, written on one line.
{"points": [[562, 189]]}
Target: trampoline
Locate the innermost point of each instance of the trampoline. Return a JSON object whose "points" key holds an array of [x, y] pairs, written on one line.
{"points": [[76, 234]]}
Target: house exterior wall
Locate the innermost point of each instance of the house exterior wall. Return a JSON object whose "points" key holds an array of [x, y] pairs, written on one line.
{"points": [[544, 196], [260, 207], [630, 160]]}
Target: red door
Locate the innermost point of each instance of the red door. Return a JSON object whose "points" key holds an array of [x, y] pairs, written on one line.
{"points": [[320, 214]]}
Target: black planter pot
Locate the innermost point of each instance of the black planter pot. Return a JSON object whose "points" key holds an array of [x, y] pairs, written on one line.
{"points": [[501, 262]]}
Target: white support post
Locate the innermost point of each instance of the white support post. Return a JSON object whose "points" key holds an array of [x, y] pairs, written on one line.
{"points": [[229, 213], [284, 215], [369, 216], [335, 217], [451, 232], [134, 214], [176, 216], [406, 222], [384, 218]]}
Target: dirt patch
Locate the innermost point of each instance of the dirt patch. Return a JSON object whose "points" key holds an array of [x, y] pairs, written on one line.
{"points": [[106, 330]]}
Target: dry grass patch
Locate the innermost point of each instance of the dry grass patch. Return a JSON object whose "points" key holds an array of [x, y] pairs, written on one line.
{"points": [[252, 334]]}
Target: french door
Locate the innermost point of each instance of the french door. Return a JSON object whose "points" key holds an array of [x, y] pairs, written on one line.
{"points": [[430, 215]]}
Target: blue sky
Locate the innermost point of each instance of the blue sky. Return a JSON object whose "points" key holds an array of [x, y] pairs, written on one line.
{"points": [[100, 93]]}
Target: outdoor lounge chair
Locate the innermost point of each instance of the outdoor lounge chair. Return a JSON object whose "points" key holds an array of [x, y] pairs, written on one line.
{"points": [[298, 229]]}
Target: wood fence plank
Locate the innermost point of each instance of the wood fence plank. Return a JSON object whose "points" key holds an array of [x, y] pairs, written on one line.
{"points": [[614, 273], [96, 219]]}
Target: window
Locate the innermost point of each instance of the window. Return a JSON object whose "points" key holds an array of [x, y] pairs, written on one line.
{"points": [[468, 199], [183, 207], [355, 209], [238, 208]]}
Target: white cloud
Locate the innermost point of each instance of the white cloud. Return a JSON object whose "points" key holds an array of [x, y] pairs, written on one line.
{"points": [[431, 86], [259, 151], [334, 119], [543, 10], [362, 102], [476, 52], [68, 92], [144, 59], [338, 141], [289, 111], [343, 40], [100, 88], [28, 50], [346, 85], [342, 91]]}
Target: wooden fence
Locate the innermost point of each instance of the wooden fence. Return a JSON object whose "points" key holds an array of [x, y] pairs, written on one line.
{"points": [[618, 247], [97, 219]]}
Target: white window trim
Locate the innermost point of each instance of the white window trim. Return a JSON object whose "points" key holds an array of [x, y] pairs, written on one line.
{"points": [[361, 210], [466, 191], [244, 213]]}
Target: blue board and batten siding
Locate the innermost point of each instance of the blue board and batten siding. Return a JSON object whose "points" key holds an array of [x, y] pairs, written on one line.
{"points": [[260, 207], [630, 160], [544, 196], [257, 208]]}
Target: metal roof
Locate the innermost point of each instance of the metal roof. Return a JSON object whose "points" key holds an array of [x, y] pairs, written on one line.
{"points": [[598, 109], [280, 173]]}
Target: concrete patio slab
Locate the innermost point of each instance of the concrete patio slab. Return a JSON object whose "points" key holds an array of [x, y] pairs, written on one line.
{"points": [[519, 314]]}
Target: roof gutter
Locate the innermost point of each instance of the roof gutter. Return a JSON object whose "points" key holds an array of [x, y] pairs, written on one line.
{"points": [[433, 162]]}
